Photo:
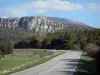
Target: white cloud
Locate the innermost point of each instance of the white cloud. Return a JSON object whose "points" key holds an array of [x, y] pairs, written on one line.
{"points": [[93, 6], [17, 11], [42, 6], [41, 11], [57, 5]]}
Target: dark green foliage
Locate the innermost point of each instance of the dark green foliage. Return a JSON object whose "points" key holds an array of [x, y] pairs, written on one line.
{"points": [[45, 43], [63, 40], [3, 49], [7, 47], [56, 44], [68, 45], [68, 41], [30, 42], [81, 39], [10, 47]]}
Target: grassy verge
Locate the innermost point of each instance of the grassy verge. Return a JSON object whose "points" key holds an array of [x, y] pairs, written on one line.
{"points": [[83, 67], [23, 62]]}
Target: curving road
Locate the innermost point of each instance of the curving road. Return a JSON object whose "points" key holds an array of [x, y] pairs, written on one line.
{"points": [[64, 64]]}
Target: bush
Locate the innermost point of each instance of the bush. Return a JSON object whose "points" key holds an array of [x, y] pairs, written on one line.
{"points": [[3, 49], [93, 50], [10, 47], [6, 48]]}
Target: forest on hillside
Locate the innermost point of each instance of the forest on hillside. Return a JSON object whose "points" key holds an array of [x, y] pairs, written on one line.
{"points": [[65, 39]]}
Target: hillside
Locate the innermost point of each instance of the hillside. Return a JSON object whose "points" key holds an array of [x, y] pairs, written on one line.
{"points": [[39, 26], [71, 24], [42, 23]]}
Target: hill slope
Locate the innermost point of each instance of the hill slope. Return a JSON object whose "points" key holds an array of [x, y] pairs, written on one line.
{"points": [[42, 23]]}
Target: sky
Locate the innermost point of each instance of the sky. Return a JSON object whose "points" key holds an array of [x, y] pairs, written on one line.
{"points": [[87, 11]]}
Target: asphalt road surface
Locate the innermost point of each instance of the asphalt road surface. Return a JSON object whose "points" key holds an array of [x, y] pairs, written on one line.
{"points": [[64, 64]]}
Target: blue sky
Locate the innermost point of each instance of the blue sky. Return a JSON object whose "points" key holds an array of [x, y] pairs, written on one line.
{"points": [[87, 11]]}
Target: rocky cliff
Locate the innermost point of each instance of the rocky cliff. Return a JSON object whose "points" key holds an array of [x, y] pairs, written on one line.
{"points": [[36, 23], [41, 23]]}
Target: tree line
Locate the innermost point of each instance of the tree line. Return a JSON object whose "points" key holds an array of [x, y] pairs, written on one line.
{"points": [[74, 39]]}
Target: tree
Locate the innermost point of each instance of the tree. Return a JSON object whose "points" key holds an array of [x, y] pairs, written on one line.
{"points": [[68, 40], [3, 49], [81, 39], [45, 43], [10, 47]]}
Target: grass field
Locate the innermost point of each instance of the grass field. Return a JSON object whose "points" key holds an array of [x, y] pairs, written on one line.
{"points": [[25, 58]]}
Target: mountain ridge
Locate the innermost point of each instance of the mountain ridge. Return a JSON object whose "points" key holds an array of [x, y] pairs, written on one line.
{"points": [[42, 23]]}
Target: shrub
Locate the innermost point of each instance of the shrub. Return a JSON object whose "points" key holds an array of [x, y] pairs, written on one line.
{"points": [[93, 50], [6, 48], [3, 49], [10, 47]]}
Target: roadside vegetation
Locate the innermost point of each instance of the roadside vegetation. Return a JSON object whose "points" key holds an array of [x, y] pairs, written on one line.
{"points": [[83, 67], [25, 58], [89, 63]]}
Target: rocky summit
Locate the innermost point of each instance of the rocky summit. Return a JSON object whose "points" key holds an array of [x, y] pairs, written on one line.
{"points": [[42, 23]]}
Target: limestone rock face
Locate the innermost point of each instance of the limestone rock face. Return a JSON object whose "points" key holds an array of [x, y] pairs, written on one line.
{"points": [[42, 23], [9, 22], [36, 23]]}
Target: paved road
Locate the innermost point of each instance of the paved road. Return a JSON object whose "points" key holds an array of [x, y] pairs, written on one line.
{"points": [[64, 64]]}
